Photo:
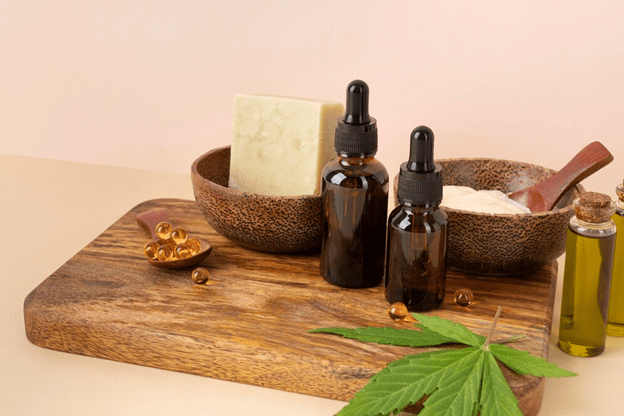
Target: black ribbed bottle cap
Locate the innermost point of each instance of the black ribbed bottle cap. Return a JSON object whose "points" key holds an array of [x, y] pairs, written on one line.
{"points": [[420, 179], [356, 131]]}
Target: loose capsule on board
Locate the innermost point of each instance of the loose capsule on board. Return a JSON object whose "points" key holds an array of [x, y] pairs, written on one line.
{"points": [[464, 297], [200, 275]]}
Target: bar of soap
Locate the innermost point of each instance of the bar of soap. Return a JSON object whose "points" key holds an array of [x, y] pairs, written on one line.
{"points": [[280, 145]]}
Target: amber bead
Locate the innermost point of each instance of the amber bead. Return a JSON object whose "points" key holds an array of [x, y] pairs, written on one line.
{"points": [[194, 245], [163, 230], [168, 242], [179, 235], [164, 253], [464, 297], [200, 275], [398, 312], [150, 249], [181, 251]]}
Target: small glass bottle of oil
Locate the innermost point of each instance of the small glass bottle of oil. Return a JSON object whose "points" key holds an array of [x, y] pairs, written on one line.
{"points": [[417, 231], [615, 324], [587, 276]]}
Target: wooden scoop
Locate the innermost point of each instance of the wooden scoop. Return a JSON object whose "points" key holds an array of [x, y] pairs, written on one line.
{"points": [[149, 220], [544, 195]]}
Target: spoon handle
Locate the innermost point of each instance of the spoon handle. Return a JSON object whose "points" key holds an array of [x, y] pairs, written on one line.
{"points": [[590, 159], [149, 220]]}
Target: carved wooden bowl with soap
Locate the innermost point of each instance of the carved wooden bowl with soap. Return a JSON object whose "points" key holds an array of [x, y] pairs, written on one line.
{"points": [[278, 224], [512, 244], [263, 191]]}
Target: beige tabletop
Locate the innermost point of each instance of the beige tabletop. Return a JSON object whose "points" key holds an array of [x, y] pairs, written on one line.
{"points": [[49, 210]]}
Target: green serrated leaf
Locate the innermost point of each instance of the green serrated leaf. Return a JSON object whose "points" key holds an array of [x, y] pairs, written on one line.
{"points": [[453, 330], [405, 381], [497, 399], [457, 395], [523, 363], [390, 336], [460, 382]]}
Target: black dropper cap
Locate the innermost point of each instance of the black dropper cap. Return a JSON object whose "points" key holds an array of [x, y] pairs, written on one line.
{"points": [[356, 131], [420, 179]]}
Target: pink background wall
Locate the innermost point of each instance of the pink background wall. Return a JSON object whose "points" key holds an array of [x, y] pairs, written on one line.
{"points": [[149, 84]]}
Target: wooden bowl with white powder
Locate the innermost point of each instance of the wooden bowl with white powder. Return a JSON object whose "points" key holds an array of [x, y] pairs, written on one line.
{"points": [[503, 244]]}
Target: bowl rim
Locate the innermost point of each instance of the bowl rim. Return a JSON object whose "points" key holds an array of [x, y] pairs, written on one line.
{"points": [[554, 211], [235, 192]]}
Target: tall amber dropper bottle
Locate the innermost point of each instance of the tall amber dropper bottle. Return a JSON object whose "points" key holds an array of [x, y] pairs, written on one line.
{"points": [[418, 231], [354, 195]]}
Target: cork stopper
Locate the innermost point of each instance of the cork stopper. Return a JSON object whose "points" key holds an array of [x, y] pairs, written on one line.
{"points": [[594, 207], [619, 190]]}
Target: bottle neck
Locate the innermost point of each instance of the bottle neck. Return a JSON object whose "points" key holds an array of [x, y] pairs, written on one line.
{"points": [[590, 229], [420, 208], [350, 159]]}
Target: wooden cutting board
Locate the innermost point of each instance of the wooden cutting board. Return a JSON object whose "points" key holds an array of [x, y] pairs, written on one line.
{"points": [[250, 323]]}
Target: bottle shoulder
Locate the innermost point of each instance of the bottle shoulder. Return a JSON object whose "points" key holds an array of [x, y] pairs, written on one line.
{"points": [[338, 172], [405, 217]]}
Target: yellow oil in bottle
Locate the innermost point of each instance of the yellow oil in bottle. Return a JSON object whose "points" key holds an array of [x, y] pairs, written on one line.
{"points": [[585, 295], [587, 276], [615, 325]]}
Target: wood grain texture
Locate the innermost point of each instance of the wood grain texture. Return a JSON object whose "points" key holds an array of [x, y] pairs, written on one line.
{"points": [[249, 323]]}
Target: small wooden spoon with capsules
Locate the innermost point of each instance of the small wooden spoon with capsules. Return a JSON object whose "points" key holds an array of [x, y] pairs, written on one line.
{"points": [[545, 194], [149, 220]]}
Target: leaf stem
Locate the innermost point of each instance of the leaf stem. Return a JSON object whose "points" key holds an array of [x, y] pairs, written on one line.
{"points": [[510, 339], [486, 346]]}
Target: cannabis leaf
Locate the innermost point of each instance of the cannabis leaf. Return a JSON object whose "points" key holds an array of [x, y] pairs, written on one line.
{"points": [[457, 382]]}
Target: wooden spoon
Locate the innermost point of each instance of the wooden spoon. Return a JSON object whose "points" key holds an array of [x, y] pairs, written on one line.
{"points": [[149, 220], [544, 195]]}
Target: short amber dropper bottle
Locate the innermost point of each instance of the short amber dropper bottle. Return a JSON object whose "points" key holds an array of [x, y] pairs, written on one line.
{"points": [[417, 231], [354, 198]]}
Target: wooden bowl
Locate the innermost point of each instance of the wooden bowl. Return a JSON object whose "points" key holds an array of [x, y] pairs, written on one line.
{"points": [[503, 244], [259, 222]]}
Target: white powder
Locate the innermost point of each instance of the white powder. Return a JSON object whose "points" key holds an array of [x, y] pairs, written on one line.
{"points": [[489, 202]]}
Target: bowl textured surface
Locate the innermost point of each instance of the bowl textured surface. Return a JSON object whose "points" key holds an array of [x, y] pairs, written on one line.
{"points": [[259, 222], [503, 244]]}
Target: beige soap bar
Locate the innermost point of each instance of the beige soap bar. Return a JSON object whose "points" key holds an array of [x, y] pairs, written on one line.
{"points": [[280, 145]]}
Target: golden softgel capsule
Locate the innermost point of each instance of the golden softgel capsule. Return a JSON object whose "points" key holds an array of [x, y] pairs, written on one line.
{"points": [[200, 275], [194, 245], [463, 297], [181, 251], [164, 253], [179, 235], [150, 249], [398, 312], [163, 230]]}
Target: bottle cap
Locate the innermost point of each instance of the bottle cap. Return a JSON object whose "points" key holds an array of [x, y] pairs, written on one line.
{"points": [[420, 179], [356, 131], [593, 207], [619, 190]]}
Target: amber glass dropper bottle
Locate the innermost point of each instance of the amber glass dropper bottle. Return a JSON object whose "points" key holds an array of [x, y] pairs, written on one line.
{"points": [[354, 195], [418, 231]]}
